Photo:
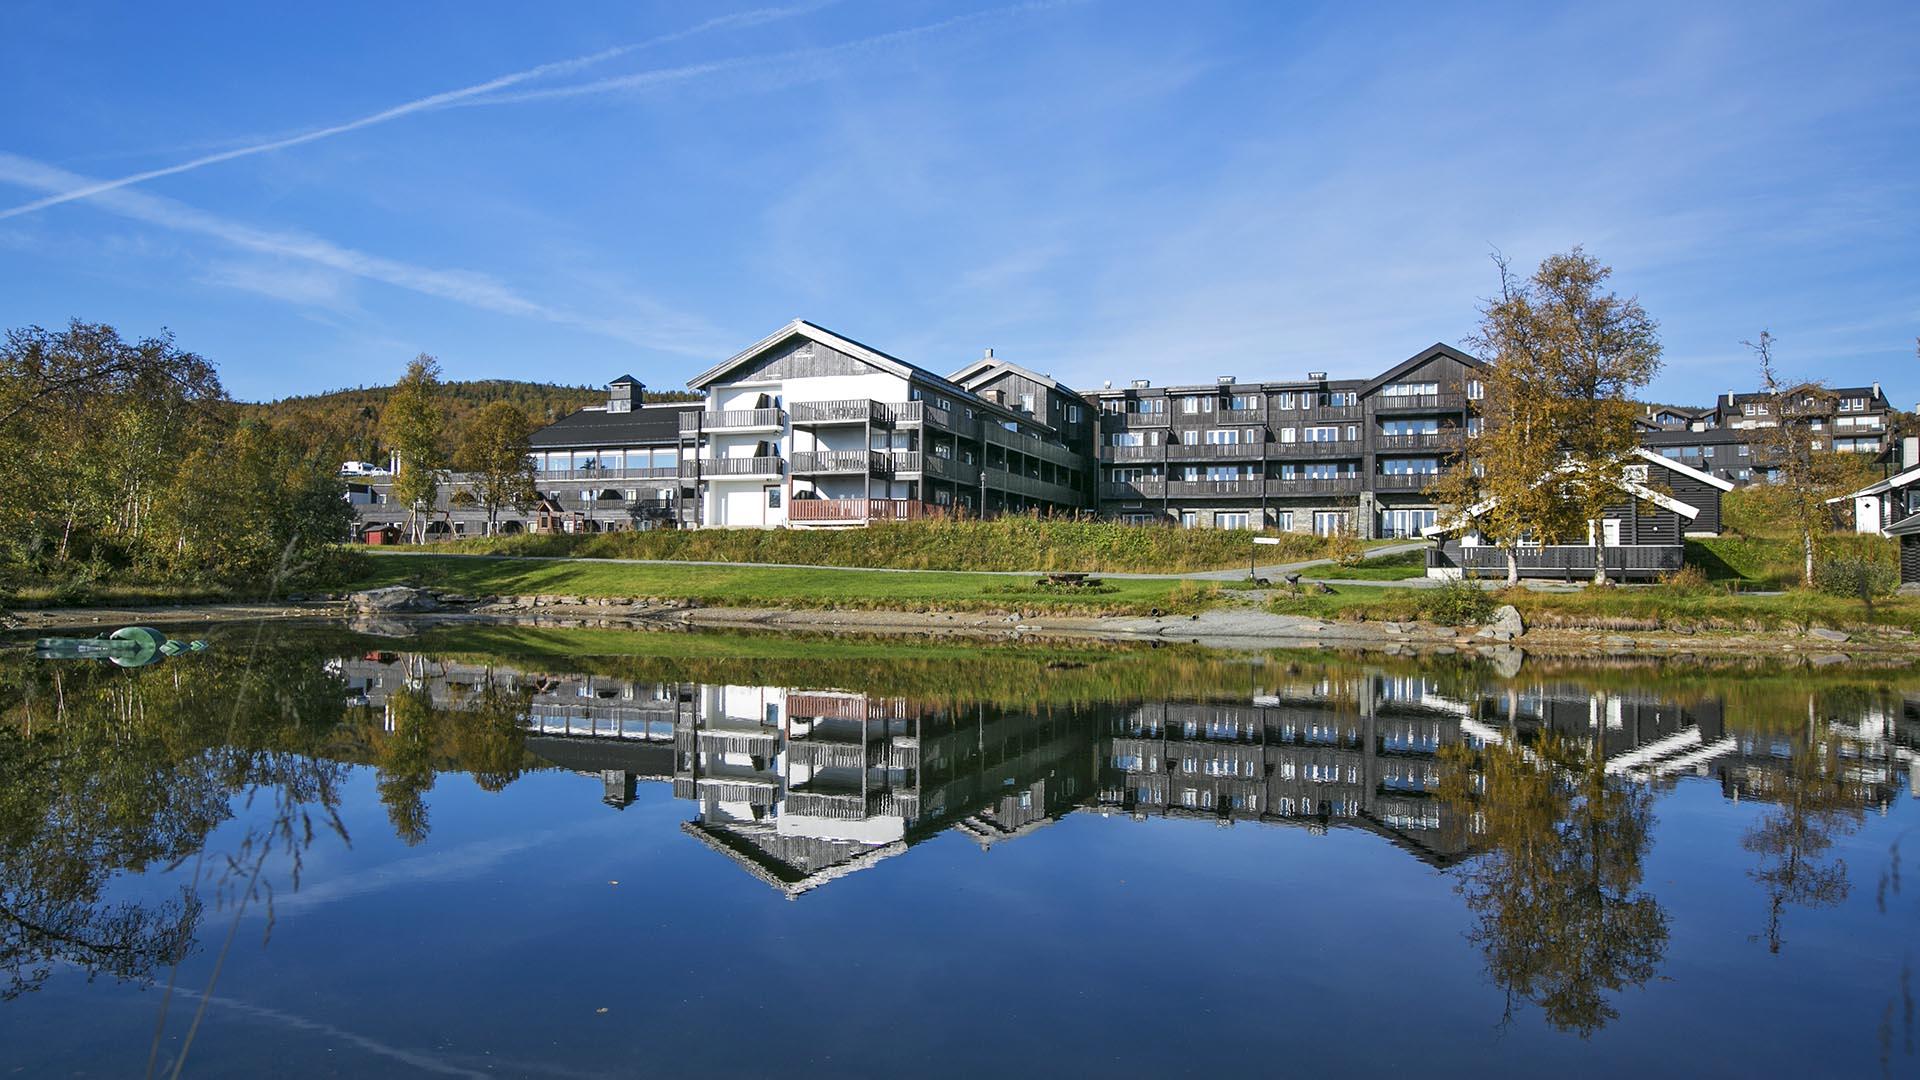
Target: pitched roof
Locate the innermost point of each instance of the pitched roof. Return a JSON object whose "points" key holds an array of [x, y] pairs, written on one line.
{"points": [[1905, 526], [1684, 470], [1633, 487], [885, 362], [593, 428], [973, 374], [1434, 351]]}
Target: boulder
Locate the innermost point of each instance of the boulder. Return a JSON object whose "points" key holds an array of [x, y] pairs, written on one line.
{"points": [[393, 598], [1506, 623], [1825, 634]]}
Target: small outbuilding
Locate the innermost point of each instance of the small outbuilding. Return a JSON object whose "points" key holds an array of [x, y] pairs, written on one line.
{"points": [[1907, 531]]}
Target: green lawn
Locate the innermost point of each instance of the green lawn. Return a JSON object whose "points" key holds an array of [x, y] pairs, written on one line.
{"points": [[1624, 608], [761, 586], [1407, 564]]}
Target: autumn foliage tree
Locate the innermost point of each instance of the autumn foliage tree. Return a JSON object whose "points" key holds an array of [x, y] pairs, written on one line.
{"points": [[496, 455], [414, 425], [1564, 356], [1802, 471]]}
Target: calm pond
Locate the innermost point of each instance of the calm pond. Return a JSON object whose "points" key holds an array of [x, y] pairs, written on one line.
{"points": [[544, 852]]}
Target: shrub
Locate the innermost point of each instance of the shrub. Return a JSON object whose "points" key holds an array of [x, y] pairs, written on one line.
{"points": [[1856, 577], [1688, 579], [1456, 603]]}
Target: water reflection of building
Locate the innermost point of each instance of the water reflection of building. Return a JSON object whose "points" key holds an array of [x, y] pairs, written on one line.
{"points": [[802, 786]]}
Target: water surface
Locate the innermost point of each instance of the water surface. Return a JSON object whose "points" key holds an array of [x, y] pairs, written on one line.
{"points": [[586, 853]]}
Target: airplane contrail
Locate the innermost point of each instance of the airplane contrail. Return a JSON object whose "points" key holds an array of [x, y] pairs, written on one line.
{"points": [[430, 102]]}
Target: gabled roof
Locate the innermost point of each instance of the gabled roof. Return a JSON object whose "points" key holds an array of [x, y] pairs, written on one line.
{"points": [[980, 370], [627, 379], [1431, 352], [1897, 480], [1635, 488], [891, 364], [1684, 470]]}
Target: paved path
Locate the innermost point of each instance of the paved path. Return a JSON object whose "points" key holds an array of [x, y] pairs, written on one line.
{"points": [[1271, 572]]}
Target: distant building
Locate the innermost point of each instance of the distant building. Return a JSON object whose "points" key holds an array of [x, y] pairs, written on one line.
{"points": [[1720, 440]]}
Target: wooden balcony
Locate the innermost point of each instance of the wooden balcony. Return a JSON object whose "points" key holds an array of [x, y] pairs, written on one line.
{"points": [[1418, 402], [836, 462], [1337, 485], [1208, 488], [1124, 454], [1437, 440], [724, 467], [1214, 451], [1564, 561], [598, 473], [1335, 448], [946, 468], [1404, 481], [1134, 489], [852, 511], [845, 411], [733, 420]]}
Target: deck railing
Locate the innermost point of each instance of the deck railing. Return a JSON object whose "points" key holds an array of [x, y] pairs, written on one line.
{"points": [[854, 510], [1559, 560], [731, 419]]}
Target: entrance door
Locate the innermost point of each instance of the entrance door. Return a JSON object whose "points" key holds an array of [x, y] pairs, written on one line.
{"points": [[1610, 532]]}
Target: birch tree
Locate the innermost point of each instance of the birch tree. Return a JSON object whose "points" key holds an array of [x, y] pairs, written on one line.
{"points": [[1801, 469], [414, 425], [1582, 352], [496, 453]]}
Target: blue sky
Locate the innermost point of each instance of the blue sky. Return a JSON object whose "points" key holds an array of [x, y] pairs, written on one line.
{"points": [[1098, 189]]}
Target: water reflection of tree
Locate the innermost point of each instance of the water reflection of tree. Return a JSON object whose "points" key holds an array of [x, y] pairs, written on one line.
{"points": [[1813, 802], [1559, 911], [483, 735], [105, 771]]}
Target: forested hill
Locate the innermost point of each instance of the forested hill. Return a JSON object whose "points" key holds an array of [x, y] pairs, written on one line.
{"points": [[350, 419]]}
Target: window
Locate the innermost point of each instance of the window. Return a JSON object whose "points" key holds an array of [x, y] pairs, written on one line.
{"points": [[1423, 426], [1475, 390], [1243, 402], [1126, 438], [1223, 437], [1127, 476], [1283, 520], [1324, 433], [1329, 522], [1399, 523], [943, 404], [1073, 414], [1026, 404], [1410, 389], [1287, 435], [1283, 400], [1234, 520], [1193, 405], [1423, 466], [773, 498], [1189, 437], [1189, 519]]}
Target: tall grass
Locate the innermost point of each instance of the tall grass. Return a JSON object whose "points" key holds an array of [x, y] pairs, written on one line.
{"points": [[1004, 543]]}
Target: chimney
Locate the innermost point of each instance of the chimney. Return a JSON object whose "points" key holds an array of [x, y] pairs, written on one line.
{"points": [[1876, 391], [988, 355]]}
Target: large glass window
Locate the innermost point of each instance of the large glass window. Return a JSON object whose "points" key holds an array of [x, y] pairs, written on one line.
{"points": [[1410, 389]]}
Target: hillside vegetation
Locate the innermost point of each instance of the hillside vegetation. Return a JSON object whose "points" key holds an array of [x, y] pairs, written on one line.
{"points": [[346, 423], [1005, 543]]}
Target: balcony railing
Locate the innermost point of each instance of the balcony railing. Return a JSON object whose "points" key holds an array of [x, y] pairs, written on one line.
{"points": [[946, 468], [1188, 488], [860, 510], [598, 473], [740, 466], [1213, 451], [1030, 486], [1332, 448], [1432, 440], [1133, 489], [838, 461], [1559, 560], [847, 411], [1417, 481], [1335, 485], [1128, 421], [1418, 402], [1133, 453], [732, 420]]}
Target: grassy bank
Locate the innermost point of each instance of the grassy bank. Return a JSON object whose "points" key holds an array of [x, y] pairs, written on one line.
{"points": [[765, 586], [1625, 609], [1407, 564], [1006, 543], [114, 594]]}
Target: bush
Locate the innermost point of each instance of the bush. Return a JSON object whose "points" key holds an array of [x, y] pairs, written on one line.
{"points": [[1855, 577], [1456, 603], [1688, 579]]}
